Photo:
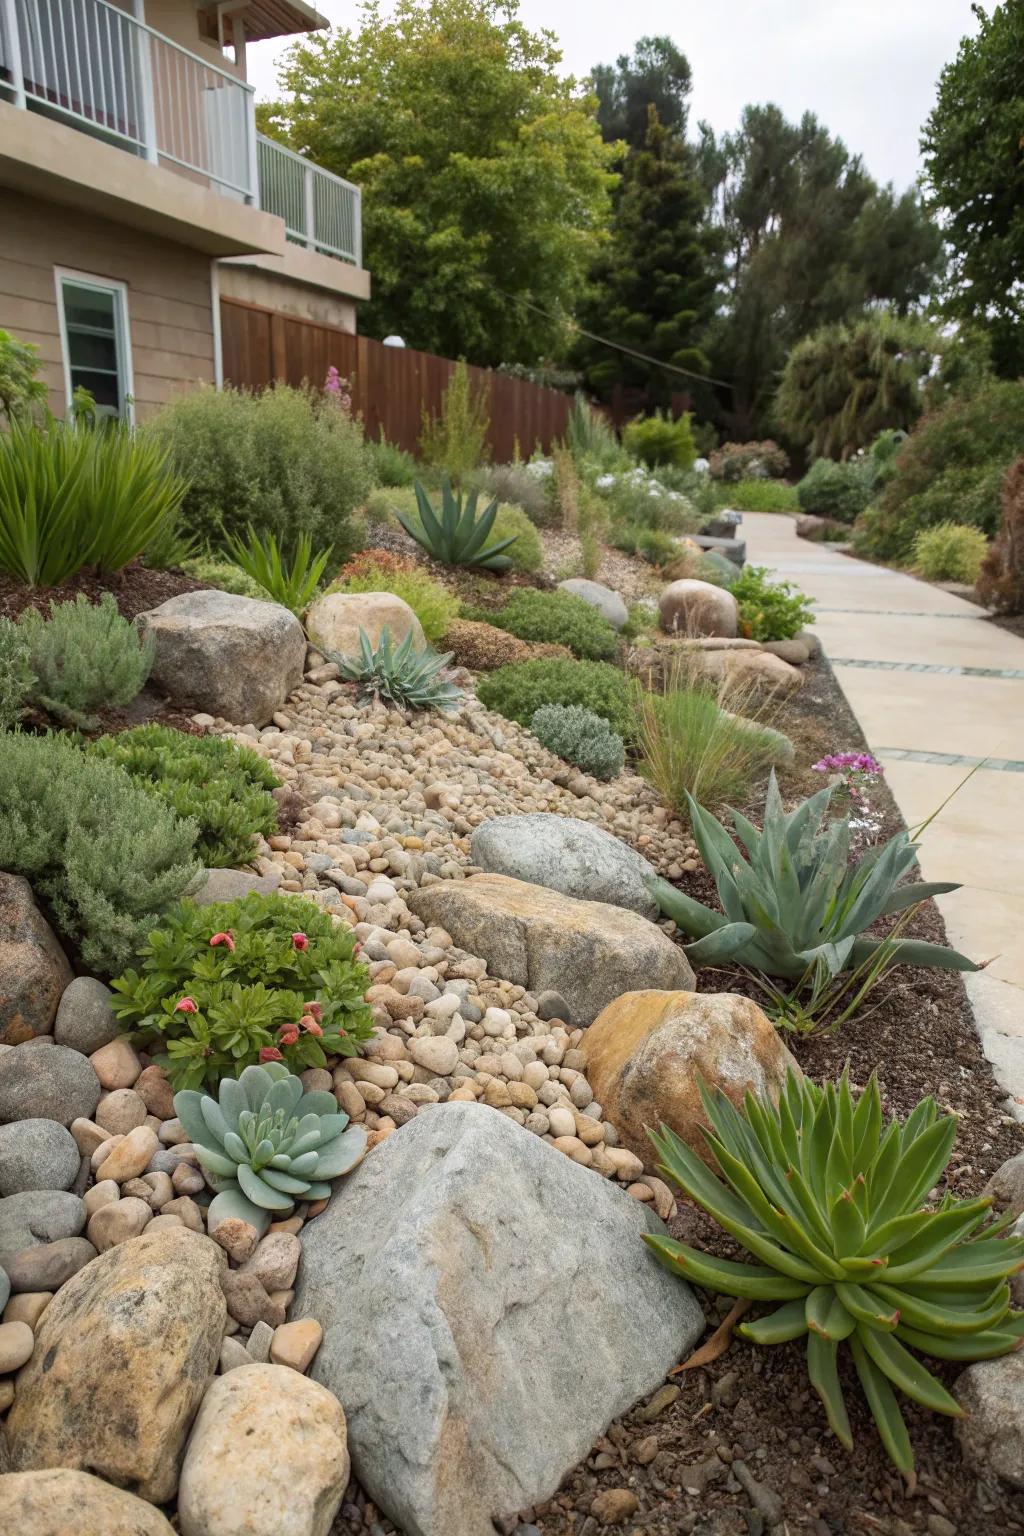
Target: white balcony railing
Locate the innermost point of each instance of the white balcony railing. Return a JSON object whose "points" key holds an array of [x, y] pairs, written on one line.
{"points": [[319, 209]]}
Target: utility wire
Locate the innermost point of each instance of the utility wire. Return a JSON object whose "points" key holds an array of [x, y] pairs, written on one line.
{"points": [[644, 357]]}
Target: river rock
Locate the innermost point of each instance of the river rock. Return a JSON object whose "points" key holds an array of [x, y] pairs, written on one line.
{"points": [[38, 1216], [647, 1052], [749, 670], [691, 607], [608, 603], [488, 1308], [992, 1435], [85, 1020], [58, 1502], [43, 1081], [567, 855], [335, 620], [48, 1266], [233, 884], [33, 968], [292, 1475], [37, 1154], [237, 657], [124, 1353], [588, 951]]}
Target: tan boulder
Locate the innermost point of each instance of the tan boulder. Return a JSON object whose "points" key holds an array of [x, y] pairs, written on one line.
{"points": [[58, 1502], [646, 1053], [745, 669], [268, 1456], [124, 1353], [588, 951], [34, 970], [691, 607], [333, 622]]}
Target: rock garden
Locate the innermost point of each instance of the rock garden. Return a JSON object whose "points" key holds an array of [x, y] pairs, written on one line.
{"points": [[475, 1051]]}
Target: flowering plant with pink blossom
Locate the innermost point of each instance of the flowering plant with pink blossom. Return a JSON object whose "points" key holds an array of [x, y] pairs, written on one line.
{"points": [[266, 978], [857, 771], [338, 390]]}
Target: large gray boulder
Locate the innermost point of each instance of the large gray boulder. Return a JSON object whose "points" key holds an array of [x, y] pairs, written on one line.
{"points": [[607, 602], [574, 857], [235, 657], [992, 1433], [41, 1080], [33, 968], [588, 951], [488, 1308]]}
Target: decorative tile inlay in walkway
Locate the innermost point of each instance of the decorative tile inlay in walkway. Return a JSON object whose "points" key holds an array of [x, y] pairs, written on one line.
{"points": [[928, 666], [901, 613], [951, 759]]}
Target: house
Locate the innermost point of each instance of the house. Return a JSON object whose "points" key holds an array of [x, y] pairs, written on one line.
{"points": [[136, 196]]}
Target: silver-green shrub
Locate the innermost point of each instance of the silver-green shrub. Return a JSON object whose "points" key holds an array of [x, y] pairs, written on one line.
{"points": [[84, 655], [16, 675], [580, 737]]}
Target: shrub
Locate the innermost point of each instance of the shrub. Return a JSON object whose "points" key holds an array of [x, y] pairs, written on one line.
{"points": [[741, 461], [525, 555], [225, 789], [456, 440], [374, 570], [263, 978], [969, 496], [580, 737], [841, 491], [16, 675], [639, 499], [590, 437], [481, 647], [398, 675], [21, 392], [518, 691], [84, 655], [391, 465], [657, 440], [170, 548], [580, 510], [288, 461], [293, 586], [950, 552], [831, 1202], [1001, 582], [559, 618], [71, 498], [514, 485], [761, 496], [95, 847], [223, 575], [650, 544], [769, 610]]}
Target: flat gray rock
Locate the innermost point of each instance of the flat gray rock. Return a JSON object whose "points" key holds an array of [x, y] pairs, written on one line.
{"points": [[38, 1216], [44, 1081], [565, 855], [488, 1308], [37, 1155], [232, 884], [85, 1019], [608, 603]]}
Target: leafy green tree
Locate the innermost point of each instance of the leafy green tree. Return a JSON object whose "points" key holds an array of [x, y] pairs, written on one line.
{"points": [[657, 75], [483, 170], [653, 288], [973, 146], [845, 383]]}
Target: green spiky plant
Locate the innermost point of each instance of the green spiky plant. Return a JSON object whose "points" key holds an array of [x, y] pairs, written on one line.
{"points": [[831, 1203], [457, 536], [292, 585], [399, 675], [266, 1143]]}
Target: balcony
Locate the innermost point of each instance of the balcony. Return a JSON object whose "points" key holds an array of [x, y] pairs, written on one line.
{"points": [[90, 64]]}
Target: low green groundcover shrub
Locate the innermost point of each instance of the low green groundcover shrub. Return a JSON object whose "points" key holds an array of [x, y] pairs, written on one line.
{"points": [[104, 856], [759, 496], [265, 978], [391, 465], [950, 552], [375, 570], [517, 691], [830, 489], [16, 675], [84, 655], [224, 788], [651, 544], [657, 440], [224, 575], [769, 609], [557, 618], [526, 554], [581, 737]]}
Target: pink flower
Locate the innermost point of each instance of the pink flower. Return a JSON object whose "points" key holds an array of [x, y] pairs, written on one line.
{"points": [[300, 941], [288, 1034], [223, 938], [186, 1005], [310, 1025], [332, 383], [270, 1053], [315, 1011]]}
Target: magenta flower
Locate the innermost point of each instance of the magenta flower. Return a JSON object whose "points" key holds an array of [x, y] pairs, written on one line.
{"points": [[332, 383], [225, 939], [315, 1011], [300, 941], [186, 1005], [270, 1053]]}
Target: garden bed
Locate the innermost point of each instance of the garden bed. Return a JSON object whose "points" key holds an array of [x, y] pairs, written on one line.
{"points": [[135, 589]]}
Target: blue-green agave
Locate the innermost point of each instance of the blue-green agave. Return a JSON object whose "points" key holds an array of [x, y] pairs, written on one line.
{"points": [[266, 1143], [457, 536]]}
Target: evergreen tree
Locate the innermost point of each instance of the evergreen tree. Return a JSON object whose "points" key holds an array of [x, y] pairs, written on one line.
{"points": [[657, 75]]}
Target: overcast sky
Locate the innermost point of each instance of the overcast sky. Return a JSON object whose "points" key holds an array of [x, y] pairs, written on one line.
{"points": [[867, 68]]}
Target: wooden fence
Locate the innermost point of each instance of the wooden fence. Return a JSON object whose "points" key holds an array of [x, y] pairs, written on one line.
{"points": [[391, 386]]}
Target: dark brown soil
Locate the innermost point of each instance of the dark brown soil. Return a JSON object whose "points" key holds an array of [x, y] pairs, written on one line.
{"points": [[134, 589], [1014, 622]]}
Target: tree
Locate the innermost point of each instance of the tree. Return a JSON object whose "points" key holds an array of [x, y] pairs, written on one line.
{"points": [[810, 240], [483, 170], [658, 75], [653, 289], [845, 383], [973, 147]]}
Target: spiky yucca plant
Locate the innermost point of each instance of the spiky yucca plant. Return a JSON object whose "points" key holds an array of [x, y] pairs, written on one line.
{"points": [[399, 675], [831, 1203], [457, 536]]}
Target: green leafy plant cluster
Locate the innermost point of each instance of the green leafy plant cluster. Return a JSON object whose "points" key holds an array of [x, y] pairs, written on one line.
{"points": [[591, 438], [21, 389], [657, 440], [16, 675], [287, 461], [455, 440], [769, 609], [223, 788], [224, 575], [580, 737], [841, 491], [266, 1143], [292, 583], [651, 544], [830, 1201], [378, 571], [399, 675], [950, 552], [84, 655], [742, 461], [759, 496], [105, 857], [391, 465], [637, 498], [557, 618], [517, 485], [74, 497], [517, 691], [222, 987], [455, 535]]}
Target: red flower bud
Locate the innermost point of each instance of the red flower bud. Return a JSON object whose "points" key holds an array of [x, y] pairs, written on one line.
{"points": [[288, 1034], [300, 941], [310, 1025], [186, 1005], [270, 1053], [315, 1011], [223, 938]]}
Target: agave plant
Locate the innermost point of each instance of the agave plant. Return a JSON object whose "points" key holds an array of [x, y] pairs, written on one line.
{"points": [[793, 904], [401, 675], [266, 1143], [458, 536], [831, 1204]]}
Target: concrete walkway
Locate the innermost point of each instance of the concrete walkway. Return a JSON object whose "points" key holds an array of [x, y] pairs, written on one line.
{"points": [[935, 688]]}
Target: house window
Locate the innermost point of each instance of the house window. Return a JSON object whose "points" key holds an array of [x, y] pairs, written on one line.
{"points": [[94, 341]]}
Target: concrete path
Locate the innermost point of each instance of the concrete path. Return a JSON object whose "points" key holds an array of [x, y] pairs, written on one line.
{"points": [[936, 688]]}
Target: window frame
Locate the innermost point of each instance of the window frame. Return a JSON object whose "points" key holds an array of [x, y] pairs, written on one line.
{"points": [[122, 335]]}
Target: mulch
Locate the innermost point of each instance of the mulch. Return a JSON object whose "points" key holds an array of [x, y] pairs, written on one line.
{"points": [[134, 589]]}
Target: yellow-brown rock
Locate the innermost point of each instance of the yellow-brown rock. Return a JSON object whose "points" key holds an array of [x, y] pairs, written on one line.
{"points": [[647, 1051], [64, 1503]]}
